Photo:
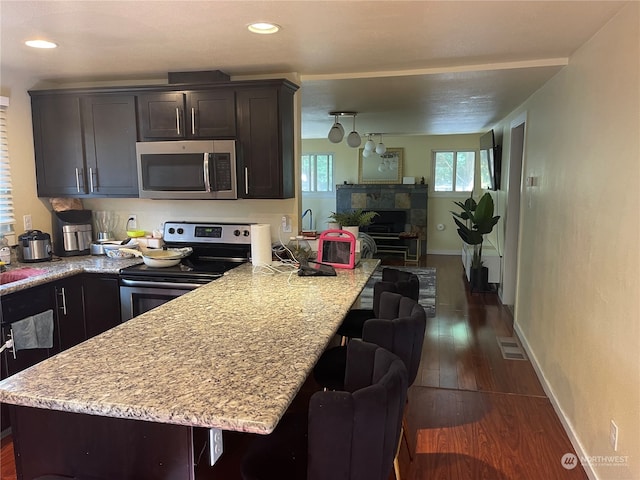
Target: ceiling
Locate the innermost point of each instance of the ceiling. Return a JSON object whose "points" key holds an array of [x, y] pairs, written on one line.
{"points": [[415, 67]]}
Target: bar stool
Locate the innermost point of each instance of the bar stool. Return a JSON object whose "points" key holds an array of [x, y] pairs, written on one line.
{"points": [[350, 434], [393, 280], [400, 329]]}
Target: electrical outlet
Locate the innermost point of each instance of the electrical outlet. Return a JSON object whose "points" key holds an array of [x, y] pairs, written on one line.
{"points": [[286, 224], [132, 222], [215, 445], [613, 436], [27, 222]]}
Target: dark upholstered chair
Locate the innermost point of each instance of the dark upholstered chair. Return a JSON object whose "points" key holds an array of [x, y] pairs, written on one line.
{"points": [[393, 280], [349, 435], [400, 330]]}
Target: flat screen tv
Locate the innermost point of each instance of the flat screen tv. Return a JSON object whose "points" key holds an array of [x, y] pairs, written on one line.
{"points": [[490, 162]]}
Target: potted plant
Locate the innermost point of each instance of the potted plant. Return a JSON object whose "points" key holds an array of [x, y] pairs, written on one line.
{"points": [[353, 220], [474, 222]]}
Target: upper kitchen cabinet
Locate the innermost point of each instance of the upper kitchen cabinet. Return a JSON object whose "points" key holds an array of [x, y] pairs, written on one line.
{"points": [[187, 114], [84, 144], [265, 140]]}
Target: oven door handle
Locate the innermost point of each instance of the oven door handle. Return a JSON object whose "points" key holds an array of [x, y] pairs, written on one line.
{"points": [[141, 283]]}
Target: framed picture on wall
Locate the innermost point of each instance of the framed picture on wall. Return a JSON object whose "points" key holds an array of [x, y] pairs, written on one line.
{"points": [[385, 168]]}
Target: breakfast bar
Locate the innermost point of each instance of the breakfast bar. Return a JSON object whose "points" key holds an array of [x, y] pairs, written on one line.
{"points": [[230, 355]]}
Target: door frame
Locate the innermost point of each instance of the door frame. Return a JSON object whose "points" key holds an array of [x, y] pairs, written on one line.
{"points": [[517, 142]]}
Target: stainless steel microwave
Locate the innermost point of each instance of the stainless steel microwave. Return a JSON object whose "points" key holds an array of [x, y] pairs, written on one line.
{"points": [[189, 169]]}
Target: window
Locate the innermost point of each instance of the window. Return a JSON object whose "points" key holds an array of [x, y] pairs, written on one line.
{"points": [[453, 171], [317, 172], [7, 219]]}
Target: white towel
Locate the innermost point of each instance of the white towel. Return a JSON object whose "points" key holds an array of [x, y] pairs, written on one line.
{"points": [[33, 332]]}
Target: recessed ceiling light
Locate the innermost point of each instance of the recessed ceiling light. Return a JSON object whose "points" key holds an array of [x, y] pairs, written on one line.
{"points": [[264, 28], [40, 44]]}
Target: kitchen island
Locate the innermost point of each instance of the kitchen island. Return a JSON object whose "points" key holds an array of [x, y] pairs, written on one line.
{"points": [[230, 355]]}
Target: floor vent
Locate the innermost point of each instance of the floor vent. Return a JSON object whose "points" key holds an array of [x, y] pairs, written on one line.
{"points": [[511, 348]]}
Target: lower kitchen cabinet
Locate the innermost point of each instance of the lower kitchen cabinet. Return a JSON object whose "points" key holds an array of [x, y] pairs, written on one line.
{"points": [[83, 306], [101, 303], [69, 314], [15, 307]]}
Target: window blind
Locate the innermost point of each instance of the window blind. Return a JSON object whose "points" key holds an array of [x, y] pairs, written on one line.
{"points": [[7, 216]]}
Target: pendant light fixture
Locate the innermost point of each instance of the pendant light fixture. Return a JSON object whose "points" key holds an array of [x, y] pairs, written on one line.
{"points": [[369, 145], [336, 134], [380, 148], [354, 140]]}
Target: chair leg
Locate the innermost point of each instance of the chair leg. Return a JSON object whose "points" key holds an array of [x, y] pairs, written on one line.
{"points": [[396, 459], [405, 436]]}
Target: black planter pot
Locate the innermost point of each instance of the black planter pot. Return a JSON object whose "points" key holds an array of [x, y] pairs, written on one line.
{"points": [[479, 281]]}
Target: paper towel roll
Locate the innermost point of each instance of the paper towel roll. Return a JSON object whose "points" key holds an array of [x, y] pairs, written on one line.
{"points": [[261, 244]]}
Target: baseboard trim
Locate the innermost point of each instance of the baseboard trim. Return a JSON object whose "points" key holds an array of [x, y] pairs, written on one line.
{"points": [[568, 428]]}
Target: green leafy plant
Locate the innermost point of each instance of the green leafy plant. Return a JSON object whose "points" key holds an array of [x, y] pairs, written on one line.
{"points": [[475, 221], [355, 218]]}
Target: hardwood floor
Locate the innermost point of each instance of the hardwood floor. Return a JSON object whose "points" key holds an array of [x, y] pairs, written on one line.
{"points": [[472, 414]]}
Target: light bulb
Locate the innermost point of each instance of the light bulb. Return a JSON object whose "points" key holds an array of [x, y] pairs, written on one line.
{"points": [[380, 149], [366, 153], [354, 140], [369, 145], [336, 134]]}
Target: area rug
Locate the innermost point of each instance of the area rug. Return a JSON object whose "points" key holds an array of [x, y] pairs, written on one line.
{"points": [[427, 296]]}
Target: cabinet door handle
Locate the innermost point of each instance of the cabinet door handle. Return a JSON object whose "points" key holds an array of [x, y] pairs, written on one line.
{"points": [[91, 179], [78, 179], [178, 120], [64, 301], [246, 180], [193, 121], [207, 182]]}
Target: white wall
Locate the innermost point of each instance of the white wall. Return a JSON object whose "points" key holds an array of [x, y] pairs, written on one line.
{"points": [[577, 303]]}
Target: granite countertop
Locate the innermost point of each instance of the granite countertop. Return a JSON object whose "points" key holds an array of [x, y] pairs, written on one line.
{"points": [[63, 267], [231, 354]]}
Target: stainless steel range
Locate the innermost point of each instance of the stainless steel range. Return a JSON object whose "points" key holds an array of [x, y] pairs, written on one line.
{"points": [[217, 248]]}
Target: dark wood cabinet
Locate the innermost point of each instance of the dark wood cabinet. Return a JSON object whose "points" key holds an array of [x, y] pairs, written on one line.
{"points": [[84, 144], [85, 139], [69, 314], [187, 114], [110, 145], [265, 141], [57, 136], [82, 306], [19, 306], [15, 307], [101, 303]]}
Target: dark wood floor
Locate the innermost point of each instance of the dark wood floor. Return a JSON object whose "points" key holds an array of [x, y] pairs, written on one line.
{"points": [[472, 414]]}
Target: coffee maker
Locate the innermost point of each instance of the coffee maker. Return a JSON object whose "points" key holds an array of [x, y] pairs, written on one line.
{"points": [[72, 233]]}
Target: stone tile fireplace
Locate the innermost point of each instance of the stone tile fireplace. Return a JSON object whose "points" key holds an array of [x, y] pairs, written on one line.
{"points": [[401, 208]]}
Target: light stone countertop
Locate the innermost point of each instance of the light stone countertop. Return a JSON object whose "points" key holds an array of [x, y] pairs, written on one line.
{"points": [[63, 267], [231, 354]]}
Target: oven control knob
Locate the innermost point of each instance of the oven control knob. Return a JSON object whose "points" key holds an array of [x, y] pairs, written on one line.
{"points": [[236, 233], [245, 233], [172, 230], [180, 231]]}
